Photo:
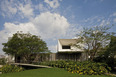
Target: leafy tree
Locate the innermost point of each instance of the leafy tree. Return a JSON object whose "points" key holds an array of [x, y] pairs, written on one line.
{"points": [[94, 39], [112, 47], [108, 53], [24, 44]]}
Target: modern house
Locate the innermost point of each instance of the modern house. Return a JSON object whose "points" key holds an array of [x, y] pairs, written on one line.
{"points": [[67, 45], [68, 51]]}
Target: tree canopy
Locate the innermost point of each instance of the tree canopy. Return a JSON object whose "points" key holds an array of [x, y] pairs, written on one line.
{"points": [[24, 44], [108, 53], [94, 39]]}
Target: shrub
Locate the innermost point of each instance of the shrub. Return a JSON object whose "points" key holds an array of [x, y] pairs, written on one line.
{"points": [[91, 68], [11, 68], [0, 70], [87, 67], [2, 61]]}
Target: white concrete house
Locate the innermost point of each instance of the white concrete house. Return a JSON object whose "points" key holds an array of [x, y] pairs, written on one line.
{"points": [[67, 50], [67, 45]]}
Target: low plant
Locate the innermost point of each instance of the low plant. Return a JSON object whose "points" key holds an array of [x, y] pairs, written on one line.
{"points": [[11, 68], [2, 61], [90, 68], [0, 70], [87, 67]]}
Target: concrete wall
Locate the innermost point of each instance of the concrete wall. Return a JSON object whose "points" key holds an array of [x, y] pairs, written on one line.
{"points": [[67, 56], [73, 48], [10, 59], [58, 56]]}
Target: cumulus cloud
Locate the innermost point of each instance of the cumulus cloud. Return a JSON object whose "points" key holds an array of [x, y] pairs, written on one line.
{"points": [[53, 3], [47, 25], [11, 28], [25, 27], [51, 24]]}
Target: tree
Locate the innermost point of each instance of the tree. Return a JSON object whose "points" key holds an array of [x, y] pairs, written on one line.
{"points": [[108, 53], [112, 46], [24, 44], [94, 39]]}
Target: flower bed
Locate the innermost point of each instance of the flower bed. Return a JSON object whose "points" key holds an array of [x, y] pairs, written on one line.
{"points": [[87, 67]]}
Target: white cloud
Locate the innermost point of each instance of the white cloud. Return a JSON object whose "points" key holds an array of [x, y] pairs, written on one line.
{"points": [[11, 28], [41, 8], [11, 8], [26, 10], [25, 27], [92, 19], [51, 25], [114, 14], [8, 8], [102, 23], [114, 20], [53, 3], [97, 21], [47, 25]]}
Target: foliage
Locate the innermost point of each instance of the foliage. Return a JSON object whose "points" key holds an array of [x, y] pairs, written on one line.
{"points": [[2, 61], [24, 44], [91, 68], [11, 68], [108, 54], [87, 68], [47, 72], [112, 49], [94, 39]]}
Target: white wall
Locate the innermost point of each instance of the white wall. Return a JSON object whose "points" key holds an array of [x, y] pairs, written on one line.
{"points": [[10, 58], [73, 49]]}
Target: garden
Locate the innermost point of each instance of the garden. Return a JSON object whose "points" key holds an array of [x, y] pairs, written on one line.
{"points": [[86, 68], [47, 72], [100, 64], [59, 68]]}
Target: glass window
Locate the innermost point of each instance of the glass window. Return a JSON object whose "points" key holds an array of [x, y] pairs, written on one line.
{"points": [[65, 47]]}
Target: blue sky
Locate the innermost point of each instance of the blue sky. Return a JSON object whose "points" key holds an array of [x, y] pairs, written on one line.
{"points": [[54, 19]]}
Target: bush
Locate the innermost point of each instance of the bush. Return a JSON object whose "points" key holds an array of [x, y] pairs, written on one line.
{"points": [[11, 68], [87, 67], [91, 68], [2, 61], [0, 70]]}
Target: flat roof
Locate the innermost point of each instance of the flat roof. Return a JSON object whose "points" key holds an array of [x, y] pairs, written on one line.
{"points": [[68, 41]]}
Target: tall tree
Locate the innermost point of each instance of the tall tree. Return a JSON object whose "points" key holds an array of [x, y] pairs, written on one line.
{"points": [[24, 44], [112, 47], [108, 54], [94, 39]]}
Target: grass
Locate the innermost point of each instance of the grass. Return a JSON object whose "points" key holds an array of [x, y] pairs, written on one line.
{"points": [[47, 72]]}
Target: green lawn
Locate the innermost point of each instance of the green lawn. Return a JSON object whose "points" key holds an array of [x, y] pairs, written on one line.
{"points": [[47, 72]]}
